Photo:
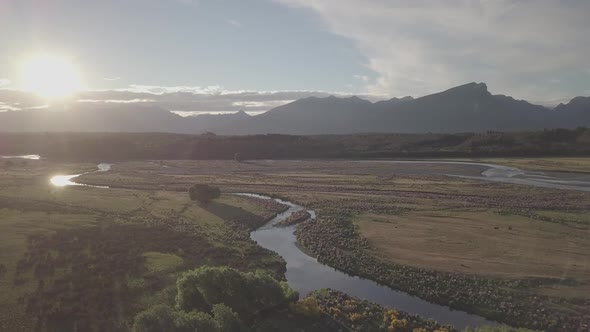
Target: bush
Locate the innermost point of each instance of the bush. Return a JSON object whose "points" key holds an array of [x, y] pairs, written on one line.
{"points": [[499, 328], [203, 193], [246, 293], [307, 306]]}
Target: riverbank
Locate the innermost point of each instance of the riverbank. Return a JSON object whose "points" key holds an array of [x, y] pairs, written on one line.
{"points": [[305, 274], [511, 301]]}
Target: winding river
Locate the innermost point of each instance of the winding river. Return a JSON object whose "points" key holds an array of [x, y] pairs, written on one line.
{"points": [[305, 273]]}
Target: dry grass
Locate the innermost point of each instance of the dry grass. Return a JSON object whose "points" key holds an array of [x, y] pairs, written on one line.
{"points": [[480, 242]]}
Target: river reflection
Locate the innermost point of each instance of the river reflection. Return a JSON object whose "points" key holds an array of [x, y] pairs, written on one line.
{"points": [[26, 156], [66, 180]]}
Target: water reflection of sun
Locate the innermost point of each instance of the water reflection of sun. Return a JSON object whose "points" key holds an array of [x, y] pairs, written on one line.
{"points": [[63, 180]]}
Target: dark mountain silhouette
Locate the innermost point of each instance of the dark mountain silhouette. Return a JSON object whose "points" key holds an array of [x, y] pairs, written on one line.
{"points": [[466, 108], [576, 113], [470, 107]]}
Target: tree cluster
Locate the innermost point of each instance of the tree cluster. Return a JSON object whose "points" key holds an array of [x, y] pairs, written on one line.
{"points": [[216, 299], [125, 146]]}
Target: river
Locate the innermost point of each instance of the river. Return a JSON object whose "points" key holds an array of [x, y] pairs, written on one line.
{"points": [[507, 174], [24, 156], [305, 274]]}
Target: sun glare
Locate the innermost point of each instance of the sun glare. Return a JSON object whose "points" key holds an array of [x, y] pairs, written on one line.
{"points": [[50, 76]]}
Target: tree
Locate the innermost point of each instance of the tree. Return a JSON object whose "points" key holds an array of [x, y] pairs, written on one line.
{"points": [[188, 295], [238, 157], [155, 319], [164, 318], [203, 193], [195, 321], [227, 320]]}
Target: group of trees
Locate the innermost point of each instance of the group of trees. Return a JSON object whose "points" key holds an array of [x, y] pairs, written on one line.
{"points": [[115, 146], [216, 299]]}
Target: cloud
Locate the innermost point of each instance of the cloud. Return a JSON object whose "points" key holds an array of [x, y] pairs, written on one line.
{"points": [[193, 113], [38, 107], [4, 82], [116, 101], [185, 100], [234, 23], [189, 2], [261, 104], [160, 90], [4, 107], [111, 78], [420, 47], [362, 78]]}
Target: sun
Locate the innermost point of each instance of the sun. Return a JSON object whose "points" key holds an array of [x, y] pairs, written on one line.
{"points": [[50, 76]]}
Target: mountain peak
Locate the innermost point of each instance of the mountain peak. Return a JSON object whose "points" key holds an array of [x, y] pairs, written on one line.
{"points": [[473, 86], [579, 105], [469, 89]]}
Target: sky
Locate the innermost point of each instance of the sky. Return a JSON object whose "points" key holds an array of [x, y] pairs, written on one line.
{"points": [[195, 56]]}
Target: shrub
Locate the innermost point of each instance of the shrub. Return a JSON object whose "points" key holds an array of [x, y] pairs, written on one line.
{"points": [[499, 328], [307, 306]]}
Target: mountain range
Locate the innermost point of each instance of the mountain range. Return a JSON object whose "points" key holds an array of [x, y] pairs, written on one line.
{"points": [[466, 108]]}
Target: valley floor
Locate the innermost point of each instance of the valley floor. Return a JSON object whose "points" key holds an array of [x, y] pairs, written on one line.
{"points": [[516, 254]]}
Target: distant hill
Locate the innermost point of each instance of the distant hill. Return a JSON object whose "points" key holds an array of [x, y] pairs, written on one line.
{"points": [[466, 108]]}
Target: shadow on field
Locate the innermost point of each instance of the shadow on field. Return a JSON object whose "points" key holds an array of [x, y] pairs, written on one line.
{"points": [[229, 213], [255, 163]]}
